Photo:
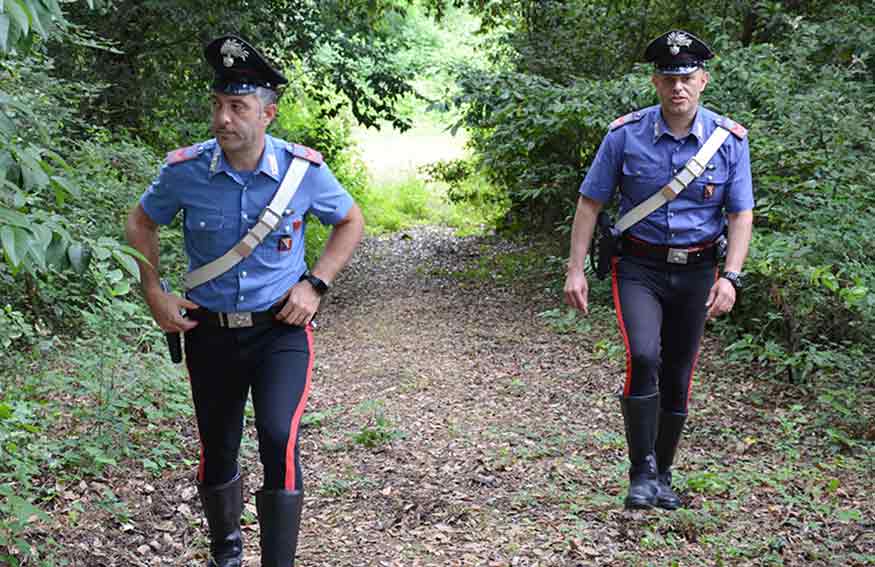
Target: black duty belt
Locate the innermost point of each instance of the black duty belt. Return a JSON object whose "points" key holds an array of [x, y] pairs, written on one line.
{"points": [[238, 320], [691, 255]]}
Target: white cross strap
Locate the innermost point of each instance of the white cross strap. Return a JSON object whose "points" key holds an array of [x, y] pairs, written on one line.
{"points": [[693, 169], [268, 220]]}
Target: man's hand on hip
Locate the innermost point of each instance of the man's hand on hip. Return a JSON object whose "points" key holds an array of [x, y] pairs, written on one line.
{"points": [[302, 302]]}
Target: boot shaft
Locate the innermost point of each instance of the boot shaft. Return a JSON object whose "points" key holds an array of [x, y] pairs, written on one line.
{"points": [[640, 416], [279, 516], [223, 506], [671, 427]]}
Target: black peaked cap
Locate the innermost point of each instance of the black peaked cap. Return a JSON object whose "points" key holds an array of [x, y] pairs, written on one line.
{"points": [[677, 52], [239, 67]]}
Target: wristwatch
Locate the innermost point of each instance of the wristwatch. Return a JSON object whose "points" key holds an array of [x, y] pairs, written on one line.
{"points": [[320, 286], [734, 278]]}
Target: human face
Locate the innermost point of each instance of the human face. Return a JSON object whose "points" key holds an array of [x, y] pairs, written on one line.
{"points": [[679, 94], [239, 122]]}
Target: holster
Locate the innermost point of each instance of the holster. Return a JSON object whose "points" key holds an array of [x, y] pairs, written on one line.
{"points": [[174, 340], [606, 243]]}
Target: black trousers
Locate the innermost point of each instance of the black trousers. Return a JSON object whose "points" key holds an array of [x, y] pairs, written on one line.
{"points": [[275, 362], [661, 312]]}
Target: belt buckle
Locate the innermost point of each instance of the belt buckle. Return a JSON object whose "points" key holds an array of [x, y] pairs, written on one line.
{"points": [[677, 256], [238, 320]]}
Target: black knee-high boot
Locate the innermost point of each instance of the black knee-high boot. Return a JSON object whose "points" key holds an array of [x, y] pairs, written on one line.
{"points": [[223, 505], [671, 425], [640, 414], [279, 515]]}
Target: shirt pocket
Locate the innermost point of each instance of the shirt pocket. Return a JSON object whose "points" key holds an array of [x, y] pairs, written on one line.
{"points": [[710, 187], [202, 231], [641, 177]]}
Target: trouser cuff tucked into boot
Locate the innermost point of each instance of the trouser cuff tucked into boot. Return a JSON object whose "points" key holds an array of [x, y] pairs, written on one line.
{"points": [[279, 515], [640, 418], [223, 505], [671, 426]]}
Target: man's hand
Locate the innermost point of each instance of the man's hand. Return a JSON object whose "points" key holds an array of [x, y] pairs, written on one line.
{"points": [[301, 305], [166, 309], [721, 298], [577, 290]]}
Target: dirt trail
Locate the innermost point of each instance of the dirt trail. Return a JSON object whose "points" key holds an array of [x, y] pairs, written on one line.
{"points": [[448, 425]]}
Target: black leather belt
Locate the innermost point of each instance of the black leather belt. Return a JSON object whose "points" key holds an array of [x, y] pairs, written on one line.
{"points": [[690, 255], [239, 320]]}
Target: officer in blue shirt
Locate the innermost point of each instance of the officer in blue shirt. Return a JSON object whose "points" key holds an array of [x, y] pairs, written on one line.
{"points": [[665, 280], [248, 328]]}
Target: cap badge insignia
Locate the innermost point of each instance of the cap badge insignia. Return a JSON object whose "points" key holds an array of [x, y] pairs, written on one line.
{"points": [[232, 49], [676, 40]]}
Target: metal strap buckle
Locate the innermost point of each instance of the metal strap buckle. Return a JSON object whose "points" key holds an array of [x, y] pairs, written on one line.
{"points": [[677, 256], [236, 320], [694, 167]]}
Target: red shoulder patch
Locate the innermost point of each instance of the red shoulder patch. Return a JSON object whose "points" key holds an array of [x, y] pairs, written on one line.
{"points": [[306, 153], [737, 129], [182, 154], [625, 119]]}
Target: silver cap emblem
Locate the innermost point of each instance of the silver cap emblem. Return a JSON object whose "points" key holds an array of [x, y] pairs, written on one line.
{"points": [[232, 49], [676, 40]]}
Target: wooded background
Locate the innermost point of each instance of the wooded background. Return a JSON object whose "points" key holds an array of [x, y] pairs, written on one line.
{"points": [[94, 93]]}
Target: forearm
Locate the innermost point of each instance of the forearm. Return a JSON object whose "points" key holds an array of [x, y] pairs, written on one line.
{"points": [[342, 241], [581, 232], [740, 230], [142, 234]]}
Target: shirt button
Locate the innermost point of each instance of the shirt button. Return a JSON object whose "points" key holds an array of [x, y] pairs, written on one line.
{"points": [[202, 224], [245, 216], [710, 177], [242, 298], [243, 274], [288, 212], [672, 235], [244, 187]]}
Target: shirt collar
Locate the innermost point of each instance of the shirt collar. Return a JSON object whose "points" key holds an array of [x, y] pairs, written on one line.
{"points": [[697, 129], [268, 164]]}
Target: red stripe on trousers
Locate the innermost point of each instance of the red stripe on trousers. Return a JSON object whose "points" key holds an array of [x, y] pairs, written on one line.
{"points": [[296, 418], [615, 287]]}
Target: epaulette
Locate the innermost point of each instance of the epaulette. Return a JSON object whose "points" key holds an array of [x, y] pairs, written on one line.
{"points": [[626, 119], [737, 129], [183, 154], [304, 152]]}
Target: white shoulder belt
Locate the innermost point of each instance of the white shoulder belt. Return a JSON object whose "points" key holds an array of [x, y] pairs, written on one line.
{"points": [[693, 169], [268, 220]]}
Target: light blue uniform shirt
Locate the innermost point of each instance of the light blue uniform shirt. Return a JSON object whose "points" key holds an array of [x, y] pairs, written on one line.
{"points": [[641, 156], [220, 205]]}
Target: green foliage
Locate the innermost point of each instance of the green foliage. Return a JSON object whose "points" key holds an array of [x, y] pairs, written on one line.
{"points": [[151, 53], [21, 21], [378, 430], [111, 401]]}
